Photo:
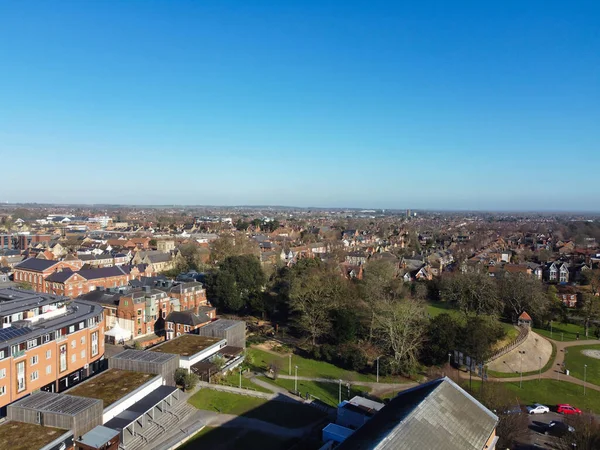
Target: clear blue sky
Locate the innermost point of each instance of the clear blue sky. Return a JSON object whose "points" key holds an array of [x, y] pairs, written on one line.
{"points": [[478, 105]]}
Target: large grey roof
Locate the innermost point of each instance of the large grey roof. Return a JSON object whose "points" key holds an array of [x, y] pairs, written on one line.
{"points": [[57, 403], [434, 415], [36, 264], [187, 318]]}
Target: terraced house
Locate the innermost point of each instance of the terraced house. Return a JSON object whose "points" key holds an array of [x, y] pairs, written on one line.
{"points": [[47, 343]]}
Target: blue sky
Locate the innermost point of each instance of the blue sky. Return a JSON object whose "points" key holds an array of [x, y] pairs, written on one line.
{"points": [[474, 105]]}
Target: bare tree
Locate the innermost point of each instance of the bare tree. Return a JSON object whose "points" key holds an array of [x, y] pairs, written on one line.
{"points": [[586, 434], [400, 326]]}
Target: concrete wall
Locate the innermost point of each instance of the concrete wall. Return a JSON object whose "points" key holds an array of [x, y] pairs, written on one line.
{"points": [[131, 398]]}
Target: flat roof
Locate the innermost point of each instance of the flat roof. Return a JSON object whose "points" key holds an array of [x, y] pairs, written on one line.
{"points": [[223, 324], [111, 385], [98, 436], [138, 409], [187, 344], [27, 436], [144, 355], [56, 403]]}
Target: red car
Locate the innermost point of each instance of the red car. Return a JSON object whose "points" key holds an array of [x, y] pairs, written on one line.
{"points": [[567, 409]]}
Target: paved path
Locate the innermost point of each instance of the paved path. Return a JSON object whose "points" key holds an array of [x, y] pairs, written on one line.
{"points": [[555, 371], [235, 390], [534, 346]]}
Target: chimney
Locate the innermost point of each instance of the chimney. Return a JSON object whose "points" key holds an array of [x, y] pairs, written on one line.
{"points": [[147, 289]]}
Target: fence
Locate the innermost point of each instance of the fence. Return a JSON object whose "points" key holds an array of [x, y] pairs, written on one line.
{"points": [[523, 333]]}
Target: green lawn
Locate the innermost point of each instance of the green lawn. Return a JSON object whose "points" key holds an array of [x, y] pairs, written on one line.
{"points": [[326, 392], [287, 414], [312, 368], [575, 361], [223, 438], [436, 308], [563, 331], [233, 379], [551, 393]]}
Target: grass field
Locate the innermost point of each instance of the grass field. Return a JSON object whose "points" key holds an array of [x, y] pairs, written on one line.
{"points": [[551, 393], [563, 332], [223, 438], [286, 414], [575, 361], [312, 368], [437, 308], [233, 379], [326, 392]]}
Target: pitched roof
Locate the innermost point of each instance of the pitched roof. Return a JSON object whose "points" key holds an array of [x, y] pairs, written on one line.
{"points": [[61, 277], [434, 415], [36, 264], [103, 272], [525, 316], [187, 318]]}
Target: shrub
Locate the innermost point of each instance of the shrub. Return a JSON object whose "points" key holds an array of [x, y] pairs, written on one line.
{"points": [[180, 376]]}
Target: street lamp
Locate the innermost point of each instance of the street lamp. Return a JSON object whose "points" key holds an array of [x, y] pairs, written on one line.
{"points": [[296, 381], [340, 393], [378, 367], [540, 375], [550, 329], [449, 356], [290, 366], [521, 352], [584, 374], [240, 377]]}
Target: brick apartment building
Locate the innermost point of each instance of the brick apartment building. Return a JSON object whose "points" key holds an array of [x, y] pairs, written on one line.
{"points": [[46, 343], [146, 310], [66, 278]]}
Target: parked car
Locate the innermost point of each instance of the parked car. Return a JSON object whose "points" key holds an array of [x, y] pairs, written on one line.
{"points": [[558, 428], [538, 409], [567, 409], [513, 410]]}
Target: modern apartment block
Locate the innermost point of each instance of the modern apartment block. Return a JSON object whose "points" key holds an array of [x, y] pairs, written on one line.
{"points": [[47, 342]]}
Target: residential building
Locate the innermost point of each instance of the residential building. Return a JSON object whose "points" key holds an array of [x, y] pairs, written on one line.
{"points": [[35, 271], [47, 343]]}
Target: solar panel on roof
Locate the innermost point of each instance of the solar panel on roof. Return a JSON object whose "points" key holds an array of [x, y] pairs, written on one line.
{"points": [[12, 332]]}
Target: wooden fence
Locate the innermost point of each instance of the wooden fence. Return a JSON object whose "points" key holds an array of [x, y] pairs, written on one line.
{"points": [[523, 333]]}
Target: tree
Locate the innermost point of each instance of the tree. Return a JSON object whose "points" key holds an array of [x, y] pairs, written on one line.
{"points": [[190, 258], [520, 292], [480, 333], [313, 296], [378, 276], [443, 335], [400, 327], [586, 435], [590, 309], [225, 293], [247, 272], [185, 379], [472, 293], [227, 245]]}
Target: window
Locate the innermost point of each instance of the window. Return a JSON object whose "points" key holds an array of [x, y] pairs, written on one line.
{"points": [[32, 343], [139, 331], [139, 312], [63, 358], [125, 303], [21, 376], [48, 370], [73, 357], [94, 344], [34, 360], [2, 373], [48, 354], [81, 325], [72, 329], [2, 390], [34, 375], [2, 354], [73, 343], [46, 338], [82, 340], [82, 354], [139, 321]]}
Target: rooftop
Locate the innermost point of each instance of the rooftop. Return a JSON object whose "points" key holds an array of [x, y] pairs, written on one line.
{"points": [[27, 436], [186, 345], [111, 385], [142, 355], [98, 436], [438, 414], [57, 403]]}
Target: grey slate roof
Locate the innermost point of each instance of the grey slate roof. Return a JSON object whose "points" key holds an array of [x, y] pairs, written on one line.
{"points": [[434, 415], [187, 318], [36, 264]]}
